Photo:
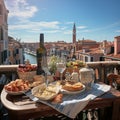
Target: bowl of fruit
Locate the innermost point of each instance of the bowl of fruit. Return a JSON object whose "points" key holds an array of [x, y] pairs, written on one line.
{"points": [[75, 65], [26, 72]]}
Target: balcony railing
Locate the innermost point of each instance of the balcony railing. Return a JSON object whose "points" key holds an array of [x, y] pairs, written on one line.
{"points": [[102, 69]]}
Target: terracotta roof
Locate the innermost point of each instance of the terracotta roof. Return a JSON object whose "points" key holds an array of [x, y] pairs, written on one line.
{"points": [[117, 37], [87, 40], [114, 56], [92, 51]]}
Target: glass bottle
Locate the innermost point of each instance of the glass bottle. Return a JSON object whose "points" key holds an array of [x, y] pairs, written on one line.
{"points": [[67, 76], [75, 76], [41, 53], [87, 76]]}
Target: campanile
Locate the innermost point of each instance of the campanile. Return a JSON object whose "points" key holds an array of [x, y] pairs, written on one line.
{"points": [[74, 33]]}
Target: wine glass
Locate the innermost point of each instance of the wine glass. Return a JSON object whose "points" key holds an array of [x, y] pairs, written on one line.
{"points": [[61, 66]]}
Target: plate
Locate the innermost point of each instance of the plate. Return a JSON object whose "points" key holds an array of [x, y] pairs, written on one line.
{"points": [[72, 92], [17, 87], [16, 93], [44, 92]]}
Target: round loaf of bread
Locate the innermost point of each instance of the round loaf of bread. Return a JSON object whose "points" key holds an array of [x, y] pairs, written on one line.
{"points": [[72, 87]]}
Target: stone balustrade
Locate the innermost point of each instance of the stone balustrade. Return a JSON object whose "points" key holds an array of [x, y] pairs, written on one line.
{"points": [[102, 69]]}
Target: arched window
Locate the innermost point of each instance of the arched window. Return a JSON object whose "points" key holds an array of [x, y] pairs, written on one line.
{"points": [[1, 10]]}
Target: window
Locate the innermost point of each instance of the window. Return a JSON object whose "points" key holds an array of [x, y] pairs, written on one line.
{"points": [[5, 18], [9, 53], [102, 59], [1, 33], [91, 59], [17, 51], [4, 55], [1, 11], [86, 59], [17, 61]]}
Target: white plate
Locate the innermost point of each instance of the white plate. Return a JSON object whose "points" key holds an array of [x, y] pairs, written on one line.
{"points": [[16, 93], [72, 92], [41, 88]]}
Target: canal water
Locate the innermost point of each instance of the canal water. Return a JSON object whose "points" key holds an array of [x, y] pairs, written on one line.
{"points": [[31, 58]]}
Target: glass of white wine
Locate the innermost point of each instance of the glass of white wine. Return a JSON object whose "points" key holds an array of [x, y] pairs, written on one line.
{"points": [[61, 66]]}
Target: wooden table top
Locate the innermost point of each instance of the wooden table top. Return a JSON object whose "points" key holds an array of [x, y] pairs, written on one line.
{"points": [[21, 102], [20, 106]]}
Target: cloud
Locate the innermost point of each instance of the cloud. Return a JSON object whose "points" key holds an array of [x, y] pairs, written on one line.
{"points": [[68, 32], [118, 31], [39, 26], [27, 25], [85, 31], [107, 27], [53, 24], [44, 31], [69, 22], [20, 8], [82, 27]]}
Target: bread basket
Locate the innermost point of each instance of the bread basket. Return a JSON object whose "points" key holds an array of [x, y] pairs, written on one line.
{"points": [[26, 75], [26, 71]]}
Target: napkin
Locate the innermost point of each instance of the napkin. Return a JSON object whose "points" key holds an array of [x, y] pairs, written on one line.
{"points": [[75, 103]]}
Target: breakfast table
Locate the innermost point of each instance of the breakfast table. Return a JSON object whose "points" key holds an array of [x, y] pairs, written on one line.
{"points": [[26, 106]]}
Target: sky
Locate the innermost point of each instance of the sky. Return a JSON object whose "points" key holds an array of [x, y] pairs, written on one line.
{"points": [[94, 19]]}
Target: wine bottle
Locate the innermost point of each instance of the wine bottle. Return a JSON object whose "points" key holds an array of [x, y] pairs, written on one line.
{"points": [[41, 53]]}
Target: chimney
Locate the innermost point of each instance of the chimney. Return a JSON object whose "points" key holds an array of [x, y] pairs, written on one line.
{"points": [[116, 45], [104, 43]]}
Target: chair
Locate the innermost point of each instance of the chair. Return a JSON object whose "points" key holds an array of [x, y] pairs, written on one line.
{"points": [[114, 80]]}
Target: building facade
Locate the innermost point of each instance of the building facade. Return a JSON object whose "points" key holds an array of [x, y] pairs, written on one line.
{"points": [[3, 33], [117, 45], [16, 52], [114, 53]]}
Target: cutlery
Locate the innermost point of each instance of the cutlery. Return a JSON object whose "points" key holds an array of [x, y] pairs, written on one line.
{"points": [[26, 103]]}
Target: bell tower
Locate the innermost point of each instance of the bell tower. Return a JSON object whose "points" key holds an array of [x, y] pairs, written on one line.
{"points": [[74, 33]]}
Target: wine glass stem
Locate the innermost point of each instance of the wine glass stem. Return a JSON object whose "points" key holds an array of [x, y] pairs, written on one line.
{"points": [[61, 76]]}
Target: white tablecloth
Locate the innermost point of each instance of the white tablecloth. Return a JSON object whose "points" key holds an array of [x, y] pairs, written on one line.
{"points": [[73, 104]]}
